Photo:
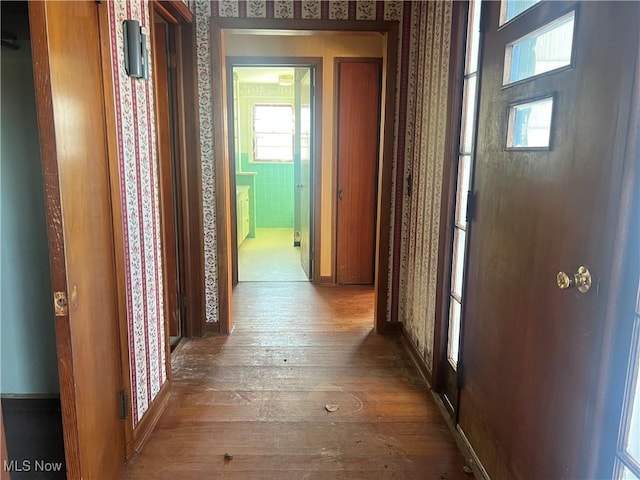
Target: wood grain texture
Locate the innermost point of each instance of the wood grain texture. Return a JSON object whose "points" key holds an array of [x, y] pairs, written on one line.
{"points": [[191, 181], [162, 91], [260, 395], [358, 138], [117, 217], [74, 151], [530, 351]]}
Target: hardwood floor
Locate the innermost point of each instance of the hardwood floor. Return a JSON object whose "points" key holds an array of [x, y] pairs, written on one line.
{"points": [[259, 395]]}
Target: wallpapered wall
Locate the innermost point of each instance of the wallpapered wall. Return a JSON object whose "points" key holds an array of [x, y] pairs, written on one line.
{"points": [[424, 149], [421, 116], [135, 125]]}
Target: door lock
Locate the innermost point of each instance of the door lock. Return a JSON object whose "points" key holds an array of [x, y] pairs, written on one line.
{"points": [[581, 280], [60, 304]]}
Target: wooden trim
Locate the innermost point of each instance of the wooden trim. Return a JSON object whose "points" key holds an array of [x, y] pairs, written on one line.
{"points": [[174, 11], [220, 128], [317, 63], [116, 215], [220, 140], [385, 193], [312, 25], [324, 280], [150, 418], [191, 181], [233, 211], [449, 180], [155, 7], [48, 151], [189, 173], [393, 328]]}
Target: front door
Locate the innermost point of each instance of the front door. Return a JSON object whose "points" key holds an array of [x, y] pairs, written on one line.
{"points": [[71, 121], [555, 87]]}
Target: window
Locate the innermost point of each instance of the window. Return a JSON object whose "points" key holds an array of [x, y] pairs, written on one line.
{"points": [[273, 133], [544, 50], [530, 124], [512, 8], [469, 104]]}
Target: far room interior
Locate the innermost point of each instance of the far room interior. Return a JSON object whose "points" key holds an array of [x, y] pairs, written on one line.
{"points": [[271, 134]]}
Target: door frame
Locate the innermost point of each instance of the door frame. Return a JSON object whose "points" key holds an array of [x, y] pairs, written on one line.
{"points": [[457, 58], [38, 24], [221, 150], [189, 188], [188, 184], [191, 205], [314, 63]]}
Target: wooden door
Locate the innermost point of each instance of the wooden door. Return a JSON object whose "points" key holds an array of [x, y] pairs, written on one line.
{"points": [[167, 170], [71, 121], [358, 138], [305, 185], [530, 350]]}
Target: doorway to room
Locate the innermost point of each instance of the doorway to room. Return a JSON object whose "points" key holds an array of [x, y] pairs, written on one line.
{"points": [[272, 152]]}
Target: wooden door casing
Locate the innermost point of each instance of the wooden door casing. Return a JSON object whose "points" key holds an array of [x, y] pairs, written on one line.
{"points": [[530, 351], [166, 170], [358, 90], [72, 126], [306, 182]]}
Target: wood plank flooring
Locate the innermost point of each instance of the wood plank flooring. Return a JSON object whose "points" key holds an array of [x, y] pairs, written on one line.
{"points": [[260, 395]]}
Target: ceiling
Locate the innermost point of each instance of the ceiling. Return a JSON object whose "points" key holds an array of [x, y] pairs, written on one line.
{"points": [[261, 74]]}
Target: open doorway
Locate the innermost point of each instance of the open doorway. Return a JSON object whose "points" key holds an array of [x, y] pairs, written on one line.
{"points": [[272, 157], [30, 383]]}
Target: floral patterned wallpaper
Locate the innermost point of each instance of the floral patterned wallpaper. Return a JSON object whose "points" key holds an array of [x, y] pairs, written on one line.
{"points": [[135, 123], [424, 151]]}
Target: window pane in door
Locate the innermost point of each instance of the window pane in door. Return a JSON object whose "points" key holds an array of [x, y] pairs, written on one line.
{"points": [[462, 190], [459, 240], [473, 40], [541, 51], [512, 8], [469, 109], [530, 124], [454, 333]]}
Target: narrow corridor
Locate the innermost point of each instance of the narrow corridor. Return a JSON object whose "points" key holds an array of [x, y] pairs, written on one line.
{"points": [[260, 394]]}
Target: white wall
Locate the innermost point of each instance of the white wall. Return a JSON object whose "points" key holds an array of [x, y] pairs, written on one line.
{"points": [[28, 361]]}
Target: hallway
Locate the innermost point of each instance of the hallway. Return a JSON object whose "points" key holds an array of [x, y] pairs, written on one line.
{"points": [[270, 257], [260, 395]]}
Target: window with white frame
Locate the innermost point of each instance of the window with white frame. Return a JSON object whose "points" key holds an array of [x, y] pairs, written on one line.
{"points": [[273, 126]]}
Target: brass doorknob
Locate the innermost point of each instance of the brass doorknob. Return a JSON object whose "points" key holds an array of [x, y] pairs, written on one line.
{"points": [[581, 280]]}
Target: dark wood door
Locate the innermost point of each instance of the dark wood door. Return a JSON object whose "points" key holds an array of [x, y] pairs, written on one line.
{"points": [[530, 350], [71, 121], [358, 136], [305, 185], [166, 162]]}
